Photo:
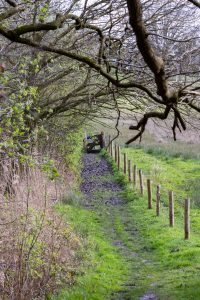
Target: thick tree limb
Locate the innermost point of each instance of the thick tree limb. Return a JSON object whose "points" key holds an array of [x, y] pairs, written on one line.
{"points": [[195, 2], [11, 3], [57, 23], [11, 12], [156, 65], [143, 122], [191, 104], [154, 62], [190, 92]]}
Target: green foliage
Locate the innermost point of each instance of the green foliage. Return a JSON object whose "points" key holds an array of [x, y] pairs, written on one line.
{"points": [[71, 198], [17, 112], [73, 149], [43, 12], [22, 127], [66, 137], [48, 166]]}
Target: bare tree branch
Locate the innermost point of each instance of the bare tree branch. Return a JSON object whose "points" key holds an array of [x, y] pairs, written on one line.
{"points": [[11, 35], [11, 2], [154, 62], [195, 2], [143, 122], [11, 12]]}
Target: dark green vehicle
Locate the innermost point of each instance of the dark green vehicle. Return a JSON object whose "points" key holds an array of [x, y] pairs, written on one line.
{"points": [[94, 143]]}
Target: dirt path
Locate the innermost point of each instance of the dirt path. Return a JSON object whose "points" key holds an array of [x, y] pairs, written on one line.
{"points": [[104, 195]]}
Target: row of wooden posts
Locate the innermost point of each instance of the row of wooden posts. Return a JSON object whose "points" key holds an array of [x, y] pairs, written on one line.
{"points": [[132, 172]]}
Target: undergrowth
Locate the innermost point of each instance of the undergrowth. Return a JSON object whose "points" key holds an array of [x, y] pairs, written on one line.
{"points": [[37, 248]]}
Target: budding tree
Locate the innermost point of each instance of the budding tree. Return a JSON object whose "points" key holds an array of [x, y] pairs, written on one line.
{"points": [[144, 53]]}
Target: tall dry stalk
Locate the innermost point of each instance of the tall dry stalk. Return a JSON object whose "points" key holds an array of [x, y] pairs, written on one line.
{"points": [[37, 248]]}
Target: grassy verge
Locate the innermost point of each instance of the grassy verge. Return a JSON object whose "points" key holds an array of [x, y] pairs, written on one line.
{"points": [[173, 173], [103, 270], [169, 265], [176, 149]]}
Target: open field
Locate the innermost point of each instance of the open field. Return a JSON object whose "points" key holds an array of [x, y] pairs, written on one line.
{"points": [[172, 173]]}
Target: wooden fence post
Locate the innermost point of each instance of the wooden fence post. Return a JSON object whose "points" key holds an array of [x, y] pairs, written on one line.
{"points": [[102, 140], [158, 201], [149, 192], [129, 171], [118, 157], [111, 149], [125, 161], [115, 153], [109, 139], [141, 182], [135, 175], [187, 219], [171, 209]]}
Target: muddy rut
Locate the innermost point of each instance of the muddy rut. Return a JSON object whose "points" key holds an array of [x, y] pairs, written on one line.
{"points": [[103, 193]]}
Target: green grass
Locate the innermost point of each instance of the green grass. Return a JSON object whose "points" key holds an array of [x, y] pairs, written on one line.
{"points": [[176, 149], [155, 258], [103, 270], [172, 173], [172, 266]]}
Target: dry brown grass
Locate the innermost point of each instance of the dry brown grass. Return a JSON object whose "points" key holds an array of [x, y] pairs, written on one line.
{"points": [[37, 248]]}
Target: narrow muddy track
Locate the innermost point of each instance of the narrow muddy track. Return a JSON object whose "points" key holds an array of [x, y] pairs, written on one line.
{"points": [[104, 195]]}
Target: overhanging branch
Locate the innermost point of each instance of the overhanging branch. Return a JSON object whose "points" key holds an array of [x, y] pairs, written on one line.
{"points": [[11, 12], [195, 2], [11, 3], [12, 36], [143, 122]]}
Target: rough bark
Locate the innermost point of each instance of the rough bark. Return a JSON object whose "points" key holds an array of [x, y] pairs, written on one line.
{"points": [[195, 2], [152, 59], [156, 65]]}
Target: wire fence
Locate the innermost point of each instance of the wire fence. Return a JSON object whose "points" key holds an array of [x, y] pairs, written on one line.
{"points": [[146, 188]]}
